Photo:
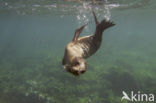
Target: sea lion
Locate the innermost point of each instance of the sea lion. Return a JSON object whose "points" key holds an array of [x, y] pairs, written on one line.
{"points": [[81, 48]]}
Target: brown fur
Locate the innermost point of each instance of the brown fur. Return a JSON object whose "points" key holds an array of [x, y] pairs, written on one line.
{"points": [[81, 48]]}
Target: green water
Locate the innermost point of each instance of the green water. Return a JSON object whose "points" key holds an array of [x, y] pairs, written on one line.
{"points": [[33, 35]]}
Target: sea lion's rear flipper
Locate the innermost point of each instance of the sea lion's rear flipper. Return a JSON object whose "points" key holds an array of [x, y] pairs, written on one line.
{"points": [[100, 27], [104, 25], [95, 18], [77, 32]]}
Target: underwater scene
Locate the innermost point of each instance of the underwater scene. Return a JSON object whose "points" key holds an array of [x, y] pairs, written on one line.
{"points": [[33, 36]]}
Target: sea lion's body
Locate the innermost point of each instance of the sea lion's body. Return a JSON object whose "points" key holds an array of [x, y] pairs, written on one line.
{"points": [[81, 48], [84, 47], [89, 45]]}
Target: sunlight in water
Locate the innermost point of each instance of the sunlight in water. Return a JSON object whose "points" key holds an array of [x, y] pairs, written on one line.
{"points": [[84, 14]]}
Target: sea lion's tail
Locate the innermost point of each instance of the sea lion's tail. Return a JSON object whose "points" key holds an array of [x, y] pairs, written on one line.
{"points": [[103, 25]]}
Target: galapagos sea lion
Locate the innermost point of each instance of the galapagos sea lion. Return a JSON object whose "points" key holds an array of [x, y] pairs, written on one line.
{"points": [[81, 48]]}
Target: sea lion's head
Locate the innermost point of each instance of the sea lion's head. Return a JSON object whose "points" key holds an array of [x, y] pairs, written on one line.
{"points": [[77, 67]]}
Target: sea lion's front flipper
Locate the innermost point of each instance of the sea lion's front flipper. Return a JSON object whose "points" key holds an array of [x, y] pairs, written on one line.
{"points": [[77, 32], [95, 18]]}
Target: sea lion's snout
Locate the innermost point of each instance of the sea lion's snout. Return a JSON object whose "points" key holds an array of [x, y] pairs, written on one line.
{"points": [[77, 67]]}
